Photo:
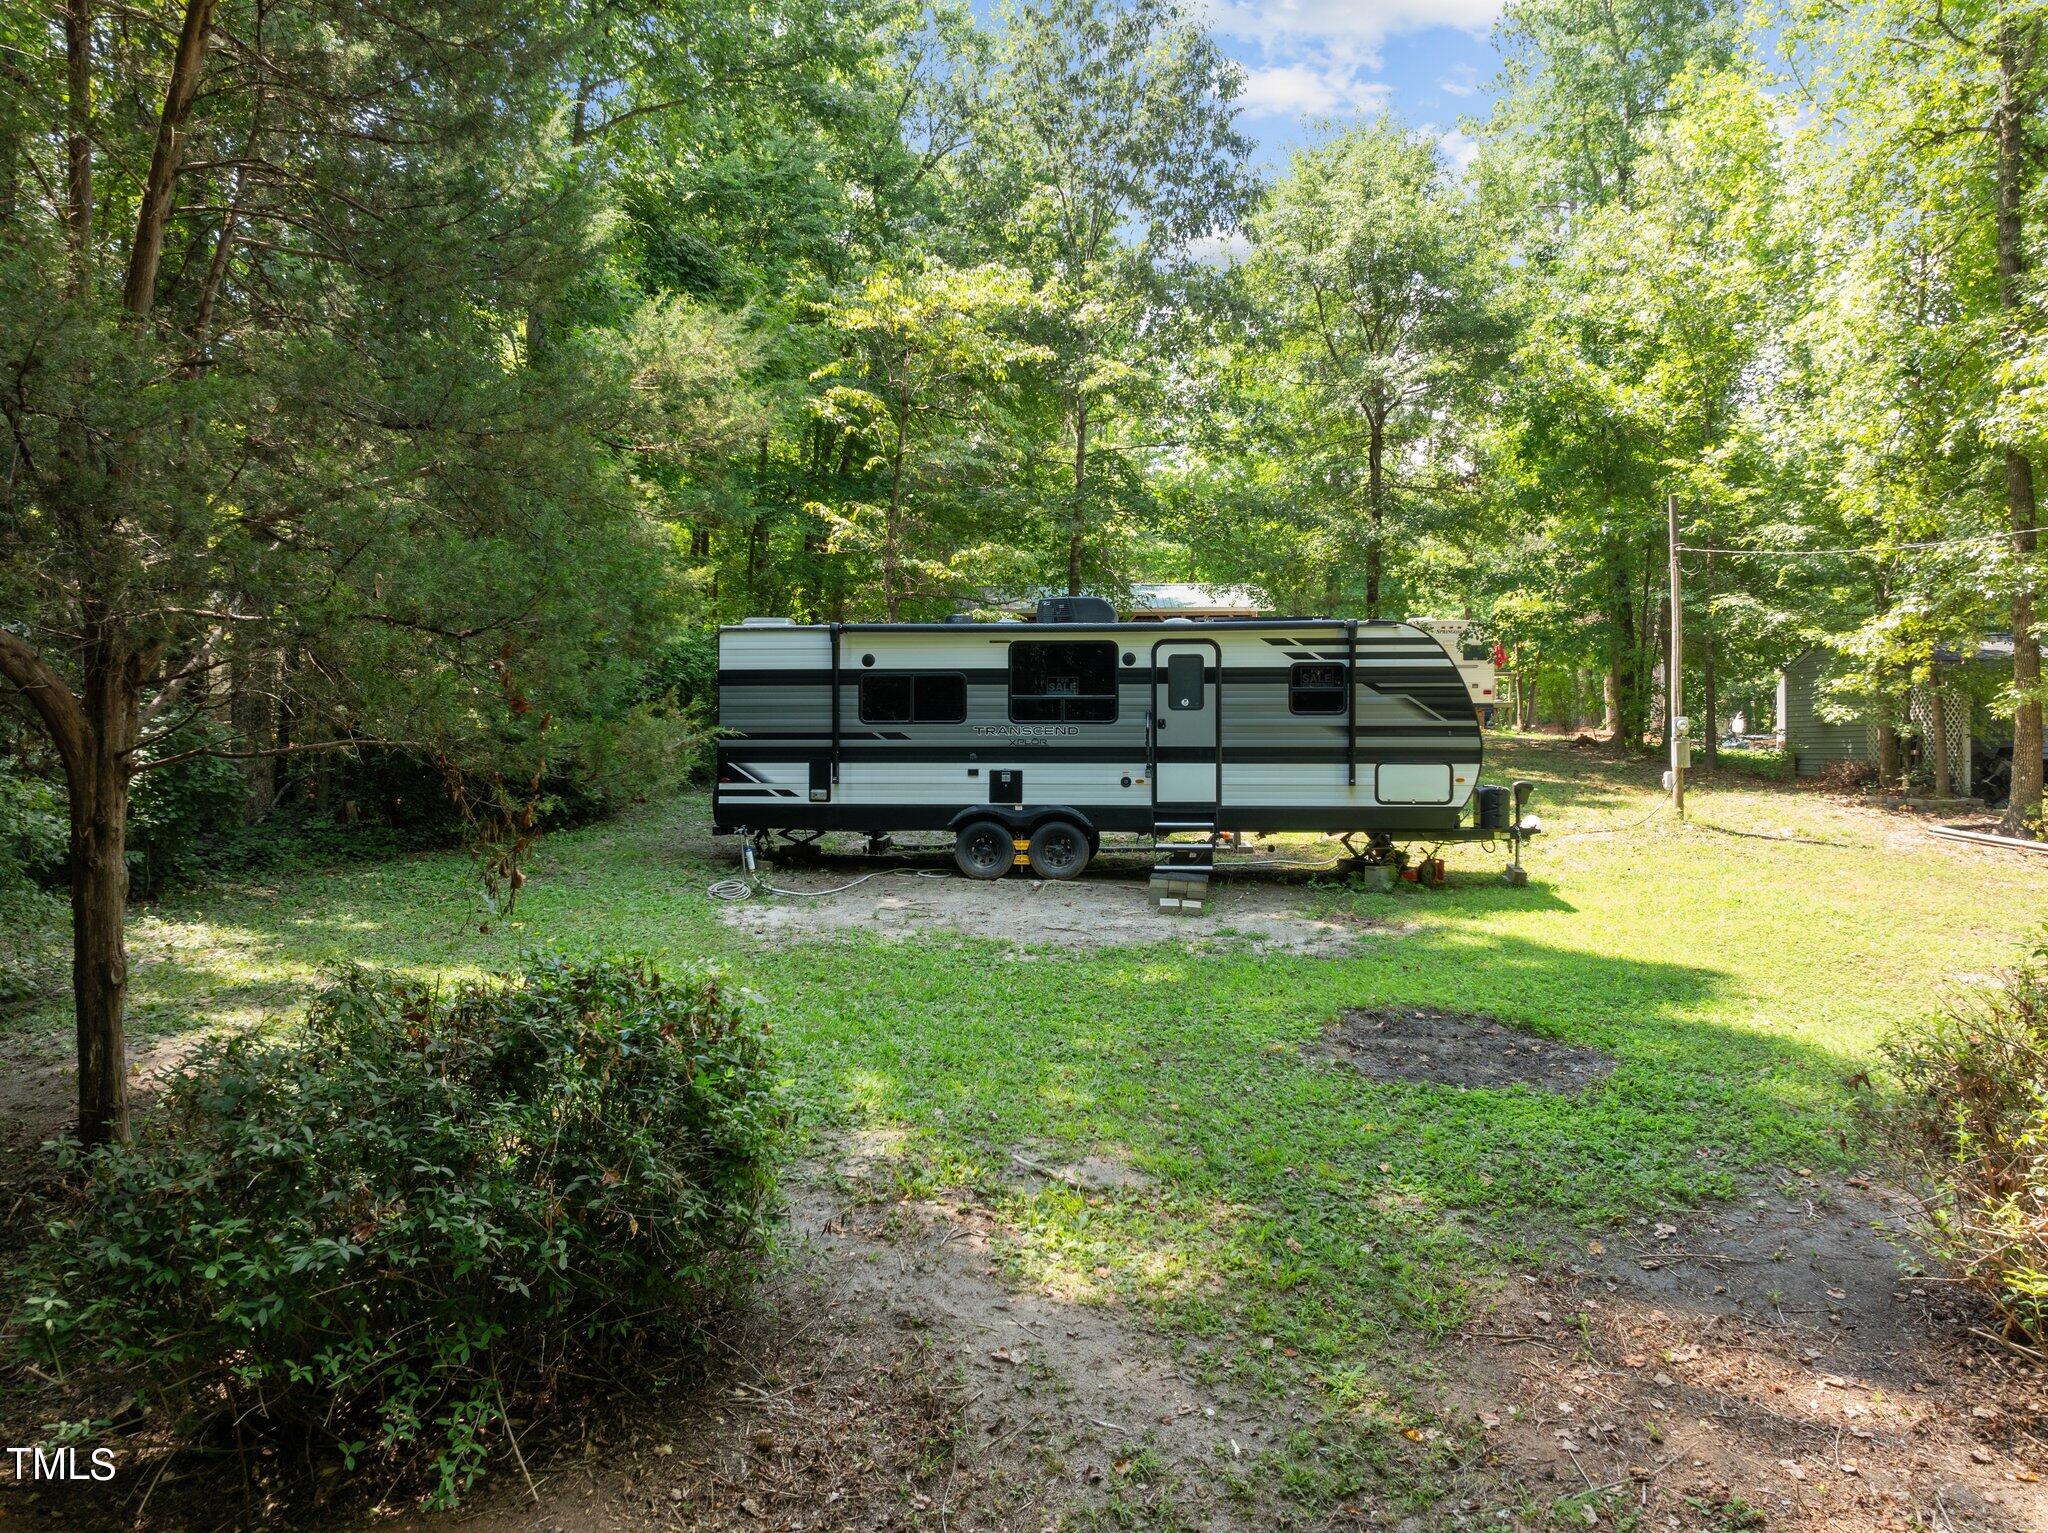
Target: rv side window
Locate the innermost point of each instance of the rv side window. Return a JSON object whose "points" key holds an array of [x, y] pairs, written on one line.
{"points": [[1062, 683], [913, 697], [941, 698], [1316, 687]]}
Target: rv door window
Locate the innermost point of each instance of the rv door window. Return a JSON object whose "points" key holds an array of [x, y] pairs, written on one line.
{"points": [[913, 697], [1062, 683], [1316, 687]]}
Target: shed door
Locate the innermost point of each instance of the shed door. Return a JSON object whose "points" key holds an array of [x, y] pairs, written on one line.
{"points": [[1187, 769]]}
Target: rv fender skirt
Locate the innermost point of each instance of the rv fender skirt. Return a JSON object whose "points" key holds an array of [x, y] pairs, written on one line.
{"points": [[983, 849], [1059, 849]]}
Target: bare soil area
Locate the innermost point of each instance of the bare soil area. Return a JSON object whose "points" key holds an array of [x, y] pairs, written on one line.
{"points": [[1762, 1364], [1108, 906], [1759, 1365], [894, 1382], [1451, 1049], [887, 1378]]}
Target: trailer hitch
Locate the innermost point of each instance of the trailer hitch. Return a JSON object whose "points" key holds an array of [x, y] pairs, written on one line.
{"points": [[1519, 830]]}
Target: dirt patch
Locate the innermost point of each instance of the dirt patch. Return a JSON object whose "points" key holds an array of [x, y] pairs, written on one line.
{"points": [[1765, 1355], [888, 1378], [1105, 907], [1037, 1164], [896, 1382], [39, 1085], [1450, 1049]]}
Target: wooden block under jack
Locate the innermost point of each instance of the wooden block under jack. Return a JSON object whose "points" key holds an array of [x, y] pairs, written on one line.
{"points": [[1180, 894]]}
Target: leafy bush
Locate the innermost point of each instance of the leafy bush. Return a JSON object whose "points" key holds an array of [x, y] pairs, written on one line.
{"points": [[34, 923], [388, 1230], [34, 935], [1759, 761], [1972, 1117], [685, 674], [682, 684], [179, 813], [35, 836]]}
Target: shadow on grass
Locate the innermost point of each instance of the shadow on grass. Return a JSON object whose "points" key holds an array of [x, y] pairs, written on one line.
{"points": [[1286, 1194]]}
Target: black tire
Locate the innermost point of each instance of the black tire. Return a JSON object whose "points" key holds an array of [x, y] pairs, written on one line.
{"points": [[1059, 849], [984, 849]]}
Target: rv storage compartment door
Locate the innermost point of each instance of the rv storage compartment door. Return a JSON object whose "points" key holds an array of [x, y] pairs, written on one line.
{"points": [[1412, 782], [1185, 688]]}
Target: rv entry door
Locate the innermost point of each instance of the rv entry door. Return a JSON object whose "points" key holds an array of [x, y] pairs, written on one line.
{"points": [[1187, 769]]}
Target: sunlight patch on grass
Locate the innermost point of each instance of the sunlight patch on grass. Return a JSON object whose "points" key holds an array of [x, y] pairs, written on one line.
{"points": [[1739, 981]]}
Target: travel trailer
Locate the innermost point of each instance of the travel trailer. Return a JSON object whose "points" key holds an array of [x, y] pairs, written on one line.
{"points": [[1028, 741], [1474, 660]]}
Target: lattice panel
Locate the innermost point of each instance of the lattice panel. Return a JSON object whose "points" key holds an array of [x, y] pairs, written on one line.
{"points": [[1956, 719]]}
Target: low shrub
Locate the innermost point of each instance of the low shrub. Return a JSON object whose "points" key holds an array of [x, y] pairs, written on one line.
{"points": [[1763, 761], [35, 955], [178, 814], [1972, 1118], [423, 1212], [1848, 776], [35, 923]]}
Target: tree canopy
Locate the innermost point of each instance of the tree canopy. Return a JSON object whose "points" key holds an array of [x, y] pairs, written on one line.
{"points": [[420, 382]]}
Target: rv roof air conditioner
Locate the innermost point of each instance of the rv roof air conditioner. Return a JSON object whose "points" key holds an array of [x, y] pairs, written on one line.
{"points": [[1075, 609]]}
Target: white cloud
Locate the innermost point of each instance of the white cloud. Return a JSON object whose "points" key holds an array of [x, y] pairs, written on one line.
{"points": [[1223, 248], [1460, 148], [1311, 90], [1358, 22], [1461, 80], [1319, 58]]}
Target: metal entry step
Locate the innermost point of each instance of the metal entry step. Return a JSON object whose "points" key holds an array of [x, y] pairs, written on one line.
{"points": [[1183, 861]]}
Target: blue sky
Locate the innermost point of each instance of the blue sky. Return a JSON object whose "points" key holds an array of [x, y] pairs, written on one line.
{"points": [[1309, 63]]}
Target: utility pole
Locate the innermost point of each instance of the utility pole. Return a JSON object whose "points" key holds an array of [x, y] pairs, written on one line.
{"points": [[1674, 679]]}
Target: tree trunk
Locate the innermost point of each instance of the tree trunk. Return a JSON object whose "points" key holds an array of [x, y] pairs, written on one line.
{"points": [[1710, 703], [1620, 689], [892, 590], [1937, 722], [2015, 102], [138, 291], [1664, 650], [78, 139], [1887, 749], [253, 682], [757, 557], [1077, 530], [99, 785], [1375, 510], [2025, 804]]}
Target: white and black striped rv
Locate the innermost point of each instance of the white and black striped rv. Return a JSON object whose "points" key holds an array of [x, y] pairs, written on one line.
{"points": [[1027, 741]]}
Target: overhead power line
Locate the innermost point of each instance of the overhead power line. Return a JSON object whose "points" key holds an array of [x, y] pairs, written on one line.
{"points": [[1866, 552]]}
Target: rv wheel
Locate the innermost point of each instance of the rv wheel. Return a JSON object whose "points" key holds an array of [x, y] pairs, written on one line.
{"points": [[983, 849], [1058, 850]]}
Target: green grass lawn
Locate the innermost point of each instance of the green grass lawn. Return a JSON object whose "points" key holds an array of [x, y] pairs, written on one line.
{"points": [[1739, 976]]}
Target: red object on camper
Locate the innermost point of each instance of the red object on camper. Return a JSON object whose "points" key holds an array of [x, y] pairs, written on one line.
{"points": [[1500, 656]]}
